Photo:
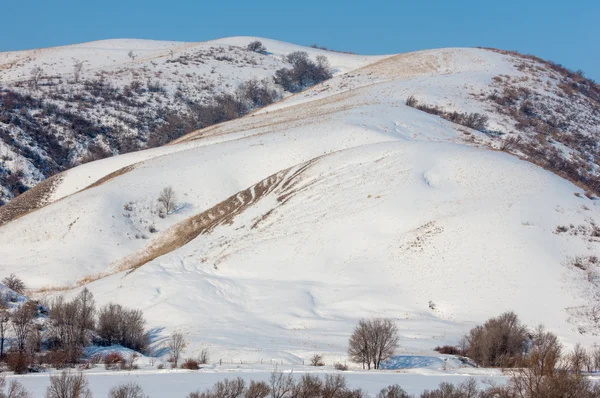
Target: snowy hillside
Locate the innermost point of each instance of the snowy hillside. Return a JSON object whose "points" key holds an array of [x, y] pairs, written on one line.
{"points": [[64, 106], [333, 204]]}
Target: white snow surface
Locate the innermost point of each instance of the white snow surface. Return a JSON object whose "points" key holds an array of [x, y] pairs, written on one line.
{"points": [[377, 210], [178, 383]]}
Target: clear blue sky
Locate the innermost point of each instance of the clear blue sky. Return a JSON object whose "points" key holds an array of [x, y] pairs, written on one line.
{"points": [[567, 32]]}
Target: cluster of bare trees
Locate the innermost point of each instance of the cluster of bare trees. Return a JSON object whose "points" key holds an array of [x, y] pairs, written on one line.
{"points": [[74, 324], [500, 341], [373, 341], [120, 325], [19, 322], [71, 325], [304, 72]]}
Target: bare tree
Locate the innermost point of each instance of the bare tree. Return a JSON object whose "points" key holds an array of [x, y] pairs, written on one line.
{"points": [[4, 319], [334, 386], [86, 311], [131, 390], [14, 283], [68, 385], [373, 341], [385, 340], [577, 359], [167, 200], [358, 345], [256, 46], [21, 323], [77, 68], [176, 345], [203, 357], [131, 54], [317, 360], [34, 76], [281, 385]]}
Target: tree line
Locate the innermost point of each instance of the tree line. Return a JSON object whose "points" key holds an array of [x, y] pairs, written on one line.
{"points": [[70, 326]]}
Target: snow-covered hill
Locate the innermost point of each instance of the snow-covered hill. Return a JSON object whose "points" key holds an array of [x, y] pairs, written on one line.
{"points": [[336, 203], [63, 106]]}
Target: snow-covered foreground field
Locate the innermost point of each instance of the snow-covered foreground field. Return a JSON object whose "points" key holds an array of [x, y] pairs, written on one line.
{"points": [[167, 383]]}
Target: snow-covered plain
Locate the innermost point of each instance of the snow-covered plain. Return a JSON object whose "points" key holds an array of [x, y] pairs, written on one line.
{"points": [[168, 383], [343, 203]]}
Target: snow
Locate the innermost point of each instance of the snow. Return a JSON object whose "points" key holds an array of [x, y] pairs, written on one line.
{"points": [[185, 71], [169, 383], [375, 209]]}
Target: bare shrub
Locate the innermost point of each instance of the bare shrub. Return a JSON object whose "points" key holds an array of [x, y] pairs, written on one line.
{"points": [[257, 389], [176, 345], [411, 101], [373, 341], [448, 350], [256, 46], [130, 390], [466, 389], [334, 385], [15, 389], [309, 386], [577, 359], [281, 384], [77, 68], [190, 364], [229, 388], [167, 200], [18, 361], [501, 341], [34, 77], [68, 385], [340, 366], [255, 94], [475, 121], [58, 359], [114, 361], [203, 357], [14, 283], [393, 391], [317, 360]]}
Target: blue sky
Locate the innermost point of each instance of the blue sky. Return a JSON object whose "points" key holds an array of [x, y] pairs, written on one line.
{"points": [[567, 32]]}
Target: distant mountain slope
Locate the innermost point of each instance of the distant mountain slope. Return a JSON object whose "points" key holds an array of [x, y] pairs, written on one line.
{"points": [[333, 204], [63, 106]]}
